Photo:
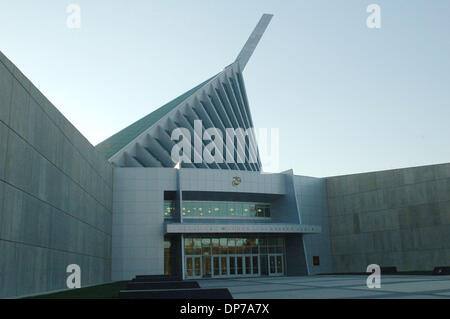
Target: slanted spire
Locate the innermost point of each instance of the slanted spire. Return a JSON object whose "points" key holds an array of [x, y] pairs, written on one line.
{"points": [[253, 40]]}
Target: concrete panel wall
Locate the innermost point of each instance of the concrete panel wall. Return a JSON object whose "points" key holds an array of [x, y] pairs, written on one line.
{"points": [[285, 209], [138, 220], [295, 256], [392, 218], [55, 194], [311, 196], [215, 180]]}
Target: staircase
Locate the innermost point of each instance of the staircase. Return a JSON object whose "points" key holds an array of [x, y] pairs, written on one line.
{"points": [[169, 287]]}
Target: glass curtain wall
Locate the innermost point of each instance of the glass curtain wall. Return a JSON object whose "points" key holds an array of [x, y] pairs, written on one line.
{"points": [[233, 256], [218, 209]]}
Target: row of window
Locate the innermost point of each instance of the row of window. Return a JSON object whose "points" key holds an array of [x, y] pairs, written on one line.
{"points": [[213, 248], [218, 209], [169, 208], [230, 242], [228, 246]]}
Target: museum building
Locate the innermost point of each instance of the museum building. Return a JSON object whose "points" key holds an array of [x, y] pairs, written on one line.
{"points": [[127, 207], [210, 219]]}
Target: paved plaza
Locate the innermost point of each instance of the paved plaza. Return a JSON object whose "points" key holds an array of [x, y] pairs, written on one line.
{"points": [[335, 286]]}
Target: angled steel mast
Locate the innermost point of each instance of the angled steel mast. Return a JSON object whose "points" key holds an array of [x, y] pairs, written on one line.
{"points": [[253, 40]]}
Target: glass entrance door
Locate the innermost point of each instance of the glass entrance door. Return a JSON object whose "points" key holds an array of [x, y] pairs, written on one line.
{"points": [[276, 264], [248, 265], [233, 257], [206, 266], [239, 265], [223, 265], [193, 267], [216, 266], [220, 266], [264, 265], [255, 265]]}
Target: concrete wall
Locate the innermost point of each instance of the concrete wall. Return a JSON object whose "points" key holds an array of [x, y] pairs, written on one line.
{"points": [[55, 194], [138, 231], [392, 218], [311, 194], [215, 180], [295, 256]]}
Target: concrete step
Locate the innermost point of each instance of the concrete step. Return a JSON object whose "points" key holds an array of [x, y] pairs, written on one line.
{"points": [[162, 285], [151, 278], [195, 293]]}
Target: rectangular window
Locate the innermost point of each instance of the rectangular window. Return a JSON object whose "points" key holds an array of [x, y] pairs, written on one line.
{"points": [[169, 208], [231, 246], [218, 209], [260, 210], [215, 246], [223, 246]]}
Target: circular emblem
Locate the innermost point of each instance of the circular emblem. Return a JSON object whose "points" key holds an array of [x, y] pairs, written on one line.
{"points": [[236, 181]]}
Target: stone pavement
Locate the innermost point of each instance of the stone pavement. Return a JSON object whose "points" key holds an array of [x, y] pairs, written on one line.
{"points": [[333, 286]]}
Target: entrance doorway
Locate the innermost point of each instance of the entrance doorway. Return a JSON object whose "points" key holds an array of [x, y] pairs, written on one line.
{"points": [[228, 265], [233, 257], [193, 266], [276, 265]]}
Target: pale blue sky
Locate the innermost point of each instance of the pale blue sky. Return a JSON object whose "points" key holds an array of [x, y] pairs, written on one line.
{"points": [[347, 99]]}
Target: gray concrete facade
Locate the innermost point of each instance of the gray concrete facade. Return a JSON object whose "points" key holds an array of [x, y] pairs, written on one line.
{"points": [[55, 194], [139, 225], [396, 218], [311, 194], [138, 219]]}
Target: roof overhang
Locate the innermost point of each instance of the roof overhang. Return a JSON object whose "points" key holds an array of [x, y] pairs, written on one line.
{"points": [[203, 228]]}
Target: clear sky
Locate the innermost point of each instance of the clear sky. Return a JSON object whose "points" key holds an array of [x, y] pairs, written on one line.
{"points": [[346, 98]]}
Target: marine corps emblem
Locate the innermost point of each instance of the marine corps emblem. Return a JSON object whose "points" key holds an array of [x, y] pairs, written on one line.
{"points": [[236, 181]]}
